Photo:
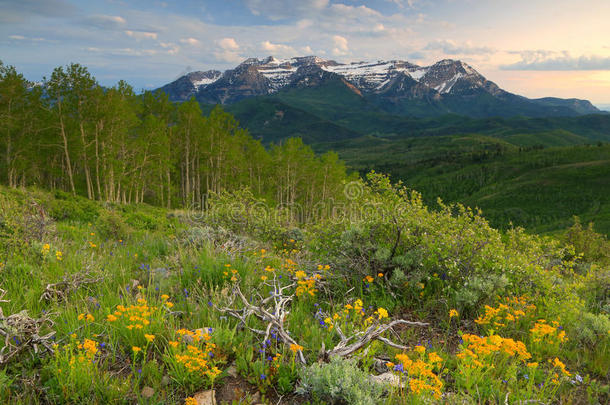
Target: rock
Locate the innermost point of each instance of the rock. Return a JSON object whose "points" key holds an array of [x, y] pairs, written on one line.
{"points": [[387, 379], [232, 371], [205, 397], [161, 272], [148, 392]]}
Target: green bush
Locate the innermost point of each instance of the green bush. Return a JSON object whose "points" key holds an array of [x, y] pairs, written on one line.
{"points": [[64, 206], [110, 225], [592, 329], [339, 382], [451, 253]]}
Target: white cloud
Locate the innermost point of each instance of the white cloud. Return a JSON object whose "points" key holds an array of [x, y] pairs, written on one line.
{"points": [[451, 47], [24, 38], [141, 34], [345, 11], [189, 41], [229, 51], [278, 49], [282, 9], [107, 22], [228, 44], [405, 3], [550, 60], [341, 47]]}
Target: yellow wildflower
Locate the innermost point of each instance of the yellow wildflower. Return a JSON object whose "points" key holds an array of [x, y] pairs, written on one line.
{"points": [[296, 348]]}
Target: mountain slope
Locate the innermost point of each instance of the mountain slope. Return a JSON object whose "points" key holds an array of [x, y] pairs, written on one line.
{"points": [[395, 87]]}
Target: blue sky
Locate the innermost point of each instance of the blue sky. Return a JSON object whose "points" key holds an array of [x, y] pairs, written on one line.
{"points": [[535, 47]]}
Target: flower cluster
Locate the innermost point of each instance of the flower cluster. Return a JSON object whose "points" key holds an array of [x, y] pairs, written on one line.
{"points": [[193, 357], [479, 352], [507, 312], [135, 322], [136, 316], [86, 317], [558, 365], [542, 332], [306, 285], [75, 365], [420, 370]]}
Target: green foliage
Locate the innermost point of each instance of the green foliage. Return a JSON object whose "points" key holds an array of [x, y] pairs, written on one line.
{"points": [[80, 139], [592, 329], [593, 246], [110, 225], [65, 206], [340, 381], [540, 188]]}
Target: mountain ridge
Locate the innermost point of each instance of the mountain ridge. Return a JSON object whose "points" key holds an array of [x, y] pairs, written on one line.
{"points": [[396, 86]]}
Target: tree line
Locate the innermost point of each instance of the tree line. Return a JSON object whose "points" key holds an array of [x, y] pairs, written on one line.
{"points": [[110, 144]]}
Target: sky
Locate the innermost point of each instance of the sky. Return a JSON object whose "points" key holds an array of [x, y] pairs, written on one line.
{"points": [[535, 48]]}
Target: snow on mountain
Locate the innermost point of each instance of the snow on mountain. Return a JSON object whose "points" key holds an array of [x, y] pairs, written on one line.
{"points": [[392, 84], [366, 76], [205, 81]]}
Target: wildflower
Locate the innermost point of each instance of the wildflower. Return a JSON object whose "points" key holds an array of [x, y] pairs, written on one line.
{"points": [[190, 401], [111, 318], [368, 279], [453, 313], [379, 275], [562, 367], [434, 358], [136, 349], [90, 318], [59, 255], [149, 338], [382, 313], [296, 348], [263, 278], [173, 343], [420, 349], [169, 304], [165, 297]]}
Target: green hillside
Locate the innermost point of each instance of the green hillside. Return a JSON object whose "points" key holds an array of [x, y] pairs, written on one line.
{"points": [[539, 188]]}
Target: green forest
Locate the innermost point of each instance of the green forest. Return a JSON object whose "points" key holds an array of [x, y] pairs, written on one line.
{"points": [[156, 253], [109, 144]]}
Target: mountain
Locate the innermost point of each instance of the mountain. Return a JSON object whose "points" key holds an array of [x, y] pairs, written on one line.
{"points": [[395, 87]]}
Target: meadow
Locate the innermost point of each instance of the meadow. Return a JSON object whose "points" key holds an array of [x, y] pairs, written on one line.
{"points": [[382, 301]]}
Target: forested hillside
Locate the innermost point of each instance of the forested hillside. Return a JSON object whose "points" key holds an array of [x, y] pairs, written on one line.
{"points": [[109, 144], [538, 181]]}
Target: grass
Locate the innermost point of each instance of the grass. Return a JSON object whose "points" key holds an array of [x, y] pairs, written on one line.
{"points": [[156, 269]]}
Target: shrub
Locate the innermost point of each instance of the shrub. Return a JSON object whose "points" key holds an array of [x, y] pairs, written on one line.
{"points": [[340, 381], [111, 225], [65, 206]]}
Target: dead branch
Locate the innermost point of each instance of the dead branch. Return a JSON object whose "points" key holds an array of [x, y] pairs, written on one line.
{"points": [[273, 311], [22, 332], [67, 285]]}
